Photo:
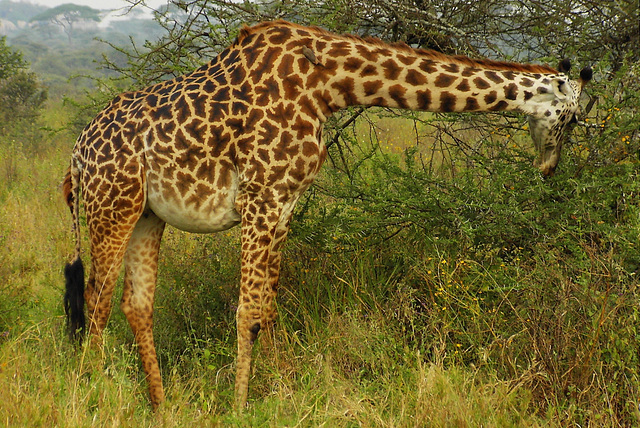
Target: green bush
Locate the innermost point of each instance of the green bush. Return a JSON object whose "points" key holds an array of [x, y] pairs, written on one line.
{"points": [[22, 97], [491, 266]]}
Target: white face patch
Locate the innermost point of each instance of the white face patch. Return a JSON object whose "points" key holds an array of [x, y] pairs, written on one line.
{"points": [[551, 114]]}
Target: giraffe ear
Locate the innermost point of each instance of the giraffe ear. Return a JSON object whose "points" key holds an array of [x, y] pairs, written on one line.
{"points": [[564, 66]]}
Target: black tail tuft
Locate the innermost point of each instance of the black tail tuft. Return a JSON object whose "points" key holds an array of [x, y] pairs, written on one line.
{"points": [[74, 299]]}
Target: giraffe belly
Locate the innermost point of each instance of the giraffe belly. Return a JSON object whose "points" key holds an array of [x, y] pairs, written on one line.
{"points": [[199, 210]]}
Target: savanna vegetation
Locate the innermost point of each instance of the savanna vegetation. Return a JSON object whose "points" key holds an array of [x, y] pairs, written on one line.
{"points": [[431, 276]]}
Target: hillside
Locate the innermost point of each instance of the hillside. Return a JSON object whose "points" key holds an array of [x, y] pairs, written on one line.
{"points": [[59, 45]]}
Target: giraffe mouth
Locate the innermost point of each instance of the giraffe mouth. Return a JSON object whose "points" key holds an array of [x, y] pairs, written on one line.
{"points": [[547, 167], [547, 164], [547, 147], [548, 172]]}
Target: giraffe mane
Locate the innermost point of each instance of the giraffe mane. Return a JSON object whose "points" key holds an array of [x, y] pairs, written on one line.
{"points": [[401, 46]]}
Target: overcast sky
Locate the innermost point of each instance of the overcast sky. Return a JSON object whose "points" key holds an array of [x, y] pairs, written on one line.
{"points": [[97, 4]]}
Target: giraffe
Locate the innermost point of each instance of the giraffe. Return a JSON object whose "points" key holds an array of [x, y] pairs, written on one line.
{"points": [[238, 140]]}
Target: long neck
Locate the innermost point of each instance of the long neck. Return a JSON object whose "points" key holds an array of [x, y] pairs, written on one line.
{"points": [[362, 73]]}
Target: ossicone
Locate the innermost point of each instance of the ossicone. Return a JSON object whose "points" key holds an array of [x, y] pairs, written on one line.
{"points": [[564, 66], [586, 74]]}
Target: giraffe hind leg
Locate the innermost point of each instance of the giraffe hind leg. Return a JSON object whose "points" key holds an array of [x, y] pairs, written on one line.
{"points": [[112, 208], [106, 260], [141, 267]]}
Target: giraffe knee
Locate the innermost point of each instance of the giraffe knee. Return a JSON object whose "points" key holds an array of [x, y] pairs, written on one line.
{"points": [[248, 321]]}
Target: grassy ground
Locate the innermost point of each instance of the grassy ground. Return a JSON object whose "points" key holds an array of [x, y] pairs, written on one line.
{"points": [[406, 332], [315, 381]]}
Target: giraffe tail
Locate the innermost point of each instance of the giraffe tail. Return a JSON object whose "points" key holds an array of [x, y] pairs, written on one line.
{"points": [[74, 271]]}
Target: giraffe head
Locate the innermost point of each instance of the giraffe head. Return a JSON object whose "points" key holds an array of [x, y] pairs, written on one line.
{"points": [[554, 115]]}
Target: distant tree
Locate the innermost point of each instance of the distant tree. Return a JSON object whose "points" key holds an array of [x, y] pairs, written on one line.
{"points": [[10, 60], [16, 11], [67, 15], [21, 94]]}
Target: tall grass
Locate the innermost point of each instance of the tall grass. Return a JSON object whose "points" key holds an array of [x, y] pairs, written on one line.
{"points": [[336, 359]]}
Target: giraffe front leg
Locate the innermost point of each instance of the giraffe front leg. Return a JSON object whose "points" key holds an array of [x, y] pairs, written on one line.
{"points": [[261, 238], [270, 290], [248, 326], [268, 312], [248, 315]]}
